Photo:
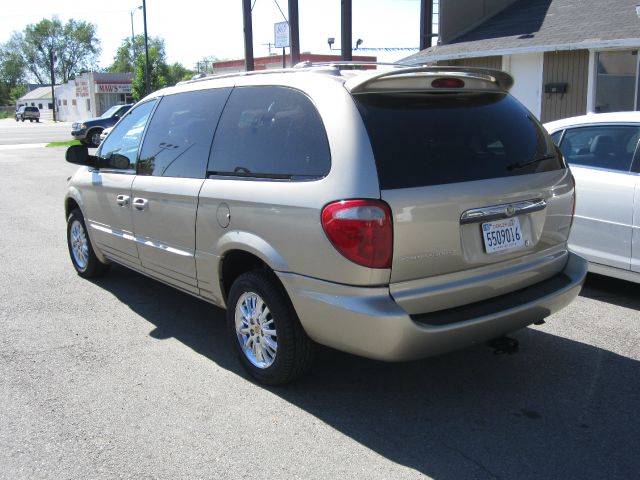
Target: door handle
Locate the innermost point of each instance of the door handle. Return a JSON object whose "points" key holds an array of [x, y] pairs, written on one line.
{"points": [[122, 200], [140, 203]]}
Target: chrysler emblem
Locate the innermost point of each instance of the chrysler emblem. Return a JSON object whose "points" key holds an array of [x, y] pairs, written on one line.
{"points": [[510, 211]]}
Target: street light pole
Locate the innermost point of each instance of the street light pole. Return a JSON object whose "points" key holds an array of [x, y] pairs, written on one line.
{"points": [[146, 49], [133, 38], [52, 59]]}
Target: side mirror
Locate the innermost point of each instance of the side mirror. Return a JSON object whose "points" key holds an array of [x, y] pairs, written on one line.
{"points": [[79, 155], [118, 161]]}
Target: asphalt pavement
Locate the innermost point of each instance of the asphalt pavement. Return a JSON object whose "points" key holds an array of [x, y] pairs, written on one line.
{"points": [[123, 377], [25, 133]]}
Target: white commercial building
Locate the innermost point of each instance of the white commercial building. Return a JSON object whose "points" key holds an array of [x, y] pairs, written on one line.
{"points": [[91, 94]]}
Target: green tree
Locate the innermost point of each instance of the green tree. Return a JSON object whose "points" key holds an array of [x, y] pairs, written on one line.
{"points": [[12, 72], [160, 73], [205, 65], [178, 73], [74, 45], [157, 72], [125, 59]]}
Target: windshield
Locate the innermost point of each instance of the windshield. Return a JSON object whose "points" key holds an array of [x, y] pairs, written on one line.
{"points": [[109, 113], [426, 139]]}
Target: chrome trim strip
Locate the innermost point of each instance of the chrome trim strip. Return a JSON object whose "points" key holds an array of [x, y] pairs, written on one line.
{"points": [[142, 241], [497, 212]]}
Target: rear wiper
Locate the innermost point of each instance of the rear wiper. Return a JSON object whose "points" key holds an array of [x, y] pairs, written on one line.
{"points": [[518, 165]]}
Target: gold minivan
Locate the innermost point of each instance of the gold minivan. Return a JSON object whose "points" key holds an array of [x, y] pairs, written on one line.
{"points": [[392, 214]]}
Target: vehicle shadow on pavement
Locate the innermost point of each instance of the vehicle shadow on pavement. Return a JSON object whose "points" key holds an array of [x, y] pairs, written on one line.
{"points": [[612, 290], [557, 409]]}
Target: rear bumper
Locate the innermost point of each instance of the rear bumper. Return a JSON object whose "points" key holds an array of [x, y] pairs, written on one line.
{"points": [[368, 322]]}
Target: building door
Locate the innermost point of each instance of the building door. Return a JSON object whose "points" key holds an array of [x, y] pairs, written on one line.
{"points": [[527, 74]]}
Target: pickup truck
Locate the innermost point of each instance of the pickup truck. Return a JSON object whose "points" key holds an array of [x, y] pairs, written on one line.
{"points": [[28, 113], [88, 131]]}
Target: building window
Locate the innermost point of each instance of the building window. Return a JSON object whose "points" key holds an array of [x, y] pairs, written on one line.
{"points": [[616, 78], [40, 106], [64, 102], [88, 104], [73, 102]]}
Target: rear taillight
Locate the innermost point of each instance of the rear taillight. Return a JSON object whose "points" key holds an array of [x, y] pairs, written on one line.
{"points": [[361, 230], [447, 83]]}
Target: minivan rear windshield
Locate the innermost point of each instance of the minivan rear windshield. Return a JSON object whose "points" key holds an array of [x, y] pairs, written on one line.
{"points": [[428, 139]]}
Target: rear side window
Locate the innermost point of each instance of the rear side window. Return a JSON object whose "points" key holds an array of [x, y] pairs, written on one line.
{"points": [[270, 132], [433, 139], [178, 140], [602, 146]]}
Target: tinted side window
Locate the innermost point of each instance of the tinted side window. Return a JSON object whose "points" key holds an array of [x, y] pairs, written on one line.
{"points": [[120, 148], [179, 136], [425, 139], [603, 146], [556, 137], [270, 132], [121, 112]]}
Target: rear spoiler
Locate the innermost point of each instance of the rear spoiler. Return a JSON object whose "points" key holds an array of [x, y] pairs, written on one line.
{"points": [[420, 78]]}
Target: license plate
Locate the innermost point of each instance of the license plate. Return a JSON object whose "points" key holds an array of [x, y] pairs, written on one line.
{"points": [[502, 235]]}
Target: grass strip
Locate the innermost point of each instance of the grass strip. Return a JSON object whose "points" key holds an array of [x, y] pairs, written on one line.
{"points": [[68, 143]]}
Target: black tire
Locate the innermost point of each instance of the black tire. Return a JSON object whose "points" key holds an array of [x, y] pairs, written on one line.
{"points": [[293, 351], [37, 120], [31, 120], [86, 263], [93, 137], [22, 119]]}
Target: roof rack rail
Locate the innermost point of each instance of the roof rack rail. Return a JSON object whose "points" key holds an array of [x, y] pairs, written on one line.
{"points": [[346, 63], [208, 76], [306, 64]]}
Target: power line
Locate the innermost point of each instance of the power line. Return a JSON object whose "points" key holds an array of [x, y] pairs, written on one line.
{"points": [[285, 18]]}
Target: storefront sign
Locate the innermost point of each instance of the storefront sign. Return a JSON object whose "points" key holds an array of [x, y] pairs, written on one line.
{"points": [[82, 89], [113, 87]]}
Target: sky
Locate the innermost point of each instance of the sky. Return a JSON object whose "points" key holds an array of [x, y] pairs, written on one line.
{"points": [[194, 29]]}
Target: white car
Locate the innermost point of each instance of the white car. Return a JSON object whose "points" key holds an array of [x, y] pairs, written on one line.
{"points": [[104, 133], [602, 151]]}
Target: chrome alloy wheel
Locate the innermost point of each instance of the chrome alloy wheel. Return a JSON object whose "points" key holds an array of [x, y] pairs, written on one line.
{"points": [[255, 330], [79, 245]]}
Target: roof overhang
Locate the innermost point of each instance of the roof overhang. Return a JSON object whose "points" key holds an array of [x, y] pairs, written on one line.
{"points": [[594, 44]]}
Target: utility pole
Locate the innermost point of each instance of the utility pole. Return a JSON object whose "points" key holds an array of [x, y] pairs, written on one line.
{"points": [[248, 35], [294, 32], [426, 23], [347, 55], [52, 58], [146, 49]]}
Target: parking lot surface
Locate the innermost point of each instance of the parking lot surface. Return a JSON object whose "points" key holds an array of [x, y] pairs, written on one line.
{"points": [[124, 377]]}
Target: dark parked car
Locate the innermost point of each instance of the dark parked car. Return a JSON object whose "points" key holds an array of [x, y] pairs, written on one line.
{"points": [[88, 131], [28, 113]]}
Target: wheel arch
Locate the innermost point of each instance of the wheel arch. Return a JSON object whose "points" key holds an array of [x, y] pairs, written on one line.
{"points": [[234, 263], [72, 201], [243, 251]]}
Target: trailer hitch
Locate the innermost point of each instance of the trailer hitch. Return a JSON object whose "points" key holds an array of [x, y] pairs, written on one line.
{"points": [[504, 345]]}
